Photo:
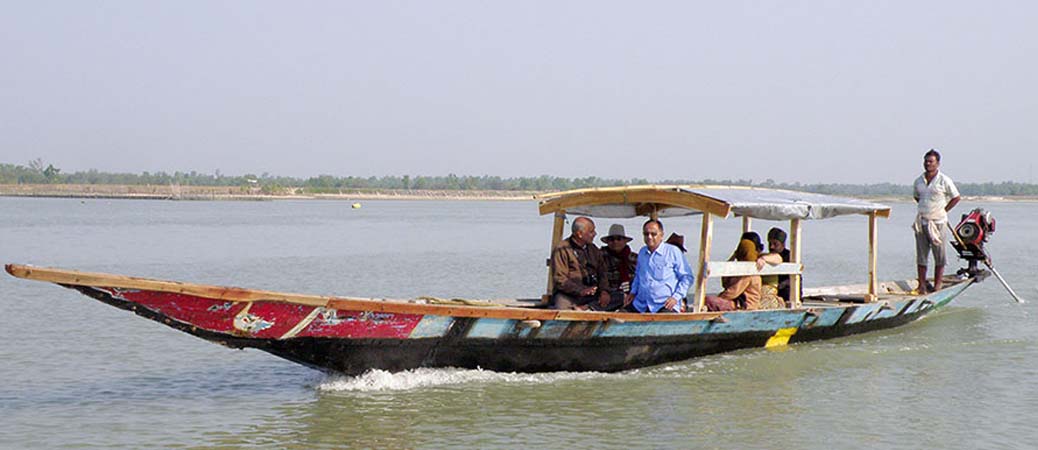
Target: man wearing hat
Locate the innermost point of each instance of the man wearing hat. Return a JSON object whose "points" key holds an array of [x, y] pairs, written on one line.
{"points": [[620, 263]]}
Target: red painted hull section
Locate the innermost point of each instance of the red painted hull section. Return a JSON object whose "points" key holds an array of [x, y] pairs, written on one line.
{"points": [[361, 324], [270, 320]]}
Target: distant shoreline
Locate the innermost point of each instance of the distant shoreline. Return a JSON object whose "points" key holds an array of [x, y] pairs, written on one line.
{"points": [[234, 193]]}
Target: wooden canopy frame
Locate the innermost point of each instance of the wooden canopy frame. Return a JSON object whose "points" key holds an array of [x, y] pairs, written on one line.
{"points": [[647, 200]]}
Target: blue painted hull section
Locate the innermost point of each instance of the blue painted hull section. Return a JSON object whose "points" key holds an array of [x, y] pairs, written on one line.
{"points": [[572, 345], [560, 345]]}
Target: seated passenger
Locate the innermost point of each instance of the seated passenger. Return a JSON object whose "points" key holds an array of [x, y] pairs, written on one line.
{"points": [[662, 276], [758, 245], [777, 285], [620, 263], [742, 292], [578, 272], [678, 241]]}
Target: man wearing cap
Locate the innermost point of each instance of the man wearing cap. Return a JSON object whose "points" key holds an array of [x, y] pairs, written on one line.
{"points": [[936, 194], [663, 275], [620, 263], [578, 272]]}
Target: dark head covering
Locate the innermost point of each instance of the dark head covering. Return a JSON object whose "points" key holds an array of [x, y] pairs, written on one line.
{"points": [[746, 251], [777, 234], [752, 236], [678, 241]]}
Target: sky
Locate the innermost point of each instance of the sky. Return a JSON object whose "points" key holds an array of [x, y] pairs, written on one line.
{"points": [[793, 91]]}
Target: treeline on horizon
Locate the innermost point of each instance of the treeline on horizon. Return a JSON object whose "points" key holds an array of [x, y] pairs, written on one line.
{"points": [[36, 173]]}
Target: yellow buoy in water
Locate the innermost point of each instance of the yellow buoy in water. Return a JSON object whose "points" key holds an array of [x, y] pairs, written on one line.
{"points": [[356, 206]]}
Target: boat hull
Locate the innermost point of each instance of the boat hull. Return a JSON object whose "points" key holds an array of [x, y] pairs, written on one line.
{"points": [[355, 341]]}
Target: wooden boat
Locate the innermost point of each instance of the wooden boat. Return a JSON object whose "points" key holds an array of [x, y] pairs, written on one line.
{"points": [[354, 335]]}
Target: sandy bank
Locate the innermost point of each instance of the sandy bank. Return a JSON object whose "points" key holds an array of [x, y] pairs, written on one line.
{"points": [[156, 192]]}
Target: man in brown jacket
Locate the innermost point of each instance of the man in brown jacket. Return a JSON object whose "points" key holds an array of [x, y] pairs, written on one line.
{"points": [[578, 271]]}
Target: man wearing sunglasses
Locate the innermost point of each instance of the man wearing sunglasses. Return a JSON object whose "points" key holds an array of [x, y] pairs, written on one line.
{"points": [[662, 277], [620, 263]]}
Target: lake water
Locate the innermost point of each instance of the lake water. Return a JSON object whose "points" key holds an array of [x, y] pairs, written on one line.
{"points": [[80, 374]]}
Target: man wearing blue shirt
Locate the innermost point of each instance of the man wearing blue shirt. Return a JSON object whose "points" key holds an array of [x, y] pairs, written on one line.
{"points": [[662, 277]]}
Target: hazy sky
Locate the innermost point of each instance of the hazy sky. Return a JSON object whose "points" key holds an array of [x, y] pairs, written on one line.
{"points": [[820, 91]]}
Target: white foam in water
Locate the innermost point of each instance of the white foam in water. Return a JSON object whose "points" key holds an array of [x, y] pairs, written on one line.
{"points": [[380, 380]]}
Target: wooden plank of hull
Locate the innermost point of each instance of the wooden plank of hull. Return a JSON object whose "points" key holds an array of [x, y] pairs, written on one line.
{"points": [[234, 294], [400, 343]]}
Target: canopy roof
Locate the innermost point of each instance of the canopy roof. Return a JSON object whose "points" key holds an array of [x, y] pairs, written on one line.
{"points": [[671, 201]]}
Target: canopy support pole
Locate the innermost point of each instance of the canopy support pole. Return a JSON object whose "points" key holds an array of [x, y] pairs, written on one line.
{"points": [[794, 257], [705, 238], [872, 295], [556, 239], [747, 224]]}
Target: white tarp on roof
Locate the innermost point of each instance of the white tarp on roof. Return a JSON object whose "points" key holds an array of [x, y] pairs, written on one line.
{"points": [[773, 204], [624, 211]]}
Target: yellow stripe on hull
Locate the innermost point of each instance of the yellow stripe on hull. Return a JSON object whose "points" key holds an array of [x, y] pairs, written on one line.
{"points": [[781, 337]]}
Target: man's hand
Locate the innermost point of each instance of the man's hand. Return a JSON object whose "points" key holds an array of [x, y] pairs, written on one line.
{"points": [[604, 298], [760, 263], [671, 303], [628, 299], [588, 291]]}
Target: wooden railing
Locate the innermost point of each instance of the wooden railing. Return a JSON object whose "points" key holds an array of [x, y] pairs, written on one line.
{"points": [[740, 268]]}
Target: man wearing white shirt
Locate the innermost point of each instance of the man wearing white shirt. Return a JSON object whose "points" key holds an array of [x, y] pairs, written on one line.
{"points": [[936, 194]]}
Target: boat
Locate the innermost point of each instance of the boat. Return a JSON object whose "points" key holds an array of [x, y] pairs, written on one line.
{"points": [[351, 335]]}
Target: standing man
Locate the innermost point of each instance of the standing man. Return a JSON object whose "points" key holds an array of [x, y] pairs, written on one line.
{"points": [[662, 277], [578, 272], [936, 195]]}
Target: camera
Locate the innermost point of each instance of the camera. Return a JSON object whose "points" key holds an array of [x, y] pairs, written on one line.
{"points": [[591, 279]]}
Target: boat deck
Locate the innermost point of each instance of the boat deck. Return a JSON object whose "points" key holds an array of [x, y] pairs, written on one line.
{"points": [[819, 297], [852, 294]]}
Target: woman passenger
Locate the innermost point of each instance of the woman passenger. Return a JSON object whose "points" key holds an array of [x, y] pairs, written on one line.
{"points": [[742, 292]]}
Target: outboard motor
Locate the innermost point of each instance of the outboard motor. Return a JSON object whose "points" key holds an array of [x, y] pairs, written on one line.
{"points": [[970, 235]]}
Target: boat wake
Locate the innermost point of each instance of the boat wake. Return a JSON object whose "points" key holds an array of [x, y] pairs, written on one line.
{"points": [[380, 380]]}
